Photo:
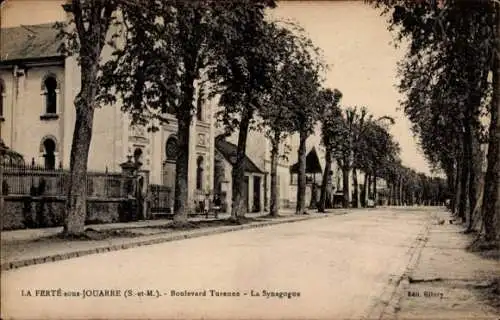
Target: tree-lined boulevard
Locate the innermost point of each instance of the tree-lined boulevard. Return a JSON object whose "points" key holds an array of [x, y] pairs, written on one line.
{"points": [[339, 265], [268, 75], [168, 56]]}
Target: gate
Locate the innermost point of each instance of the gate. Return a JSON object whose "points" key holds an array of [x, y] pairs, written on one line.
{"points": [[161, 199]]}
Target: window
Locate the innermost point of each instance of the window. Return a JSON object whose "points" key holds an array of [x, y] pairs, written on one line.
{"points": [[199, 173], [50, 86], [171, 149], [49, 153]]}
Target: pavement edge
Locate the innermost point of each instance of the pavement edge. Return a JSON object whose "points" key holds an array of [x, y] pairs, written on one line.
{"points": [[134, 244], [387, 305]]}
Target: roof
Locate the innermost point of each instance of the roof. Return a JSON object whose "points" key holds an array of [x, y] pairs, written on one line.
{"points": [[228, 150], [312, 163], [29, 42]]}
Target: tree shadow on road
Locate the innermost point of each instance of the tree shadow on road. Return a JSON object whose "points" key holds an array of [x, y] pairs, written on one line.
{"points": [[92, 234], [190, 225]]}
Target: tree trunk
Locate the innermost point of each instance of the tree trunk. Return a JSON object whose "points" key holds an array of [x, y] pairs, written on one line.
{"points": [[184, 117], [346, 186], [391, 193], [450, 179], [356, 188], [464, 179], [365, 190], [403, 195], [274, 175], [394, 193], [238, 172], [474, 172], [324, 182], [479, 187], [491, 197], [457, 188], [182, 170], [400, 192], [301, 188], [375, 196], [76, 201], [91, 44]]}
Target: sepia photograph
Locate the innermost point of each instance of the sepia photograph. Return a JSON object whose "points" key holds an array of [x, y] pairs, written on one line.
{"points": [[250, 159]]}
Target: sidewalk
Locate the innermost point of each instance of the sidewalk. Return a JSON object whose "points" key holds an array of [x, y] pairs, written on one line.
{"points": [[34, 246], [447, 281], [33, 234]]}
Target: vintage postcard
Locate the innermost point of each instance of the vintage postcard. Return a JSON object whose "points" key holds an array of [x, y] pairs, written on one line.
{"points": [[249, 159]]}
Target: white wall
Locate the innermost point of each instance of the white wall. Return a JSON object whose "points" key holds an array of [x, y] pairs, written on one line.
{"points": [[24, 103]]}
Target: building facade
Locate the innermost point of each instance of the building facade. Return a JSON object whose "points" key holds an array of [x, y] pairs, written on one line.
{"points": [[38, 86]]}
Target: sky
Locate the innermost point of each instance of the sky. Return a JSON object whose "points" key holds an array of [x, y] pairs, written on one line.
{"points": [[362, 58]]}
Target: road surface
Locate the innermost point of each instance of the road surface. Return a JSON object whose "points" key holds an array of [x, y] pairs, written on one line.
{"points": [[330, 268]]}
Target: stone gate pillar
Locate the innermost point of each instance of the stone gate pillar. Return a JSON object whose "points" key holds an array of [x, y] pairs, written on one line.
{"points": [[143, 194]]}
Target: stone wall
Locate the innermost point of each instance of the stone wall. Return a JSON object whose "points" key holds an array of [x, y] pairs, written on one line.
{"points": [[21, 212]]}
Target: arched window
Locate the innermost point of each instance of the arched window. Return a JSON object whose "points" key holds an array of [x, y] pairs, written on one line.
{"points": [[171, 149], [49, 146], [2, 94], [50, 86], [199, 173]]}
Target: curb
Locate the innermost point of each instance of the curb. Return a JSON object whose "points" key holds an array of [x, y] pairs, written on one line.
{"points": [[134, 244], [392, 306], [388, 303]]}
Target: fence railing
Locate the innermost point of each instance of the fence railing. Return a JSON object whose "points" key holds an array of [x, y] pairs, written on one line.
{"points": [[161, 198], [35, 180]]}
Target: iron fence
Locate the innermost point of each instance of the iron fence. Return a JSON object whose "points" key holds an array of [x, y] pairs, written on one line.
{"points": [[161, 198], [36, 180]]}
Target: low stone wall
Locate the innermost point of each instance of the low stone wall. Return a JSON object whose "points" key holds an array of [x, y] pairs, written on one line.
{"points": [[21, 212]]}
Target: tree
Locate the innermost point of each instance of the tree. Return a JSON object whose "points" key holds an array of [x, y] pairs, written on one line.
{"points": [[348, 132], [171, 50], [375, 149], [439, 76], [306, 111], [491, 199], [330, 99], [338, 132], [290, 46], [159, 69], [242, 78], [85, 36]]}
